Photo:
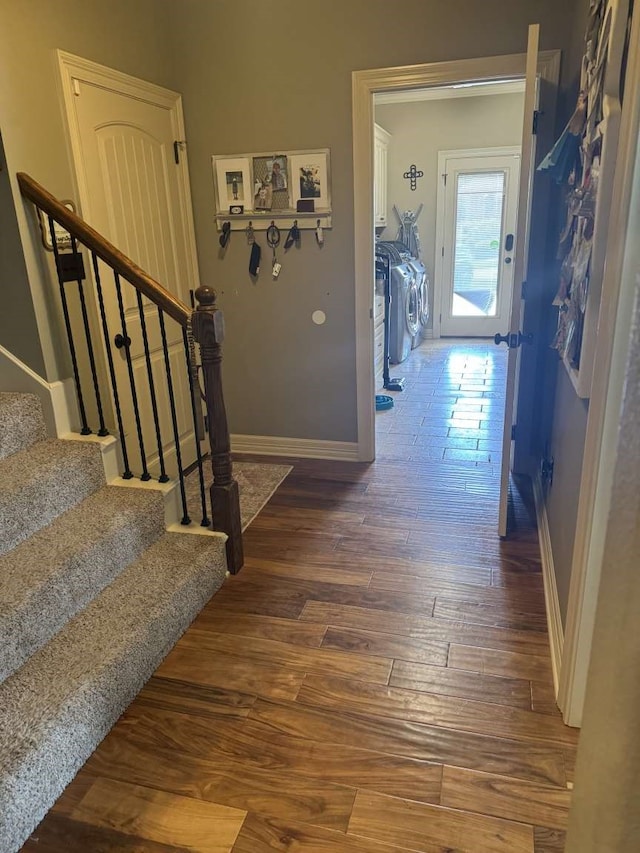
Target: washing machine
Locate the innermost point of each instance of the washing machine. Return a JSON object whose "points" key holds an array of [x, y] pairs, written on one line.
{"points": [[404, 310], [422, 285], [403, 319]]}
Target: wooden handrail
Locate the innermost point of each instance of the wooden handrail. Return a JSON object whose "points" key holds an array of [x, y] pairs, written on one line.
{"points": [[105, 250]]}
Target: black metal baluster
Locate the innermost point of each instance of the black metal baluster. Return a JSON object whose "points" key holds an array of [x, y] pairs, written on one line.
{"points": [[163, 478], [127, 475], [174, 419], [67, 322], [206, 522], [87, 334], [134, 395]]}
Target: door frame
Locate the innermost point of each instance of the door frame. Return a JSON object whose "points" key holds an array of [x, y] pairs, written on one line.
{"points": [[364, 85], [443, 156], [72, 68], [611, 356]]}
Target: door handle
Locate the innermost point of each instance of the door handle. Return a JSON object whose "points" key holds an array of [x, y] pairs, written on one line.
{"points": [[122, 341], [513, 339], [508, 243]]}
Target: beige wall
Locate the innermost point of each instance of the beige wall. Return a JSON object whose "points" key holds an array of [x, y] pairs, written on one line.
{"points": [[261, 75], [18, 329], [130, 35], [419, 131]]}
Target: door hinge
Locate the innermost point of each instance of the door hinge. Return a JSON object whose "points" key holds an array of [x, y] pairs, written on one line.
{"points": [[536, 116], [444, 178], [178, 144], [443, 251], [513, 432]]}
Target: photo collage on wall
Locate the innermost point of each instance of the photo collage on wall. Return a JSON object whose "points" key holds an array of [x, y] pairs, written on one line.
{"points": [[262, 183]]}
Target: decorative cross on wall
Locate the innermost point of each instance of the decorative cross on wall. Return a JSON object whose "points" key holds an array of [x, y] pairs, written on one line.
{"points": [[412, 175]]}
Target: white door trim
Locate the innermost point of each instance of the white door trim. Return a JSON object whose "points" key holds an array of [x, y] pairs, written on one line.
{"points": [[443, 156], [364, 85], [72, 68]]}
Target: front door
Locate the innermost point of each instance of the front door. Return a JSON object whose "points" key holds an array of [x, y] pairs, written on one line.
{"points": [[134, 192], [479, 206]]}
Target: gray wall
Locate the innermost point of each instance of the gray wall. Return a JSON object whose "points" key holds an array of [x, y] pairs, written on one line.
{"points": [[282, 80], [563, 415], [567, 447], [605, 815], [18, 329], [255, 75], [422, 129], [130, 35]]}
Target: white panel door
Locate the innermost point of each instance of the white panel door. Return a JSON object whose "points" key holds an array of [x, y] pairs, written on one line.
{"points": [[520, 264], [131, 193], [479, 208]]}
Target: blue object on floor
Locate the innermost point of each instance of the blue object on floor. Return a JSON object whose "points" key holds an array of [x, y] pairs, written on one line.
{"points": [[383, 402]]}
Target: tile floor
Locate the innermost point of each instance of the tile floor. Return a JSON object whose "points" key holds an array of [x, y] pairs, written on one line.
{"points": [[452, 408]]}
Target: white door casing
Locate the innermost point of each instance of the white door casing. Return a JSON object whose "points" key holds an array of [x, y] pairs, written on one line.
{"points": [[130, 188], [453, 167]]}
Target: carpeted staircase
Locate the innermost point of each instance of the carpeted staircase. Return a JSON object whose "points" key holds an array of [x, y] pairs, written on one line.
{"points": [[93, 595]]}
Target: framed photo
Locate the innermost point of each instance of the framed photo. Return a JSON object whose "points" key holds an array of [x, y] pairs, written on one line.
{"points": [[309, 178], [233, 183]]}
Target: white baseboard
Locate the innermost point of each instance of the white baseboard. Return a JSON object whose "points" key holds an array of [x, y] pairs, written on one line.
{"points": [[58, 400], [305, 448], [552, 602]]}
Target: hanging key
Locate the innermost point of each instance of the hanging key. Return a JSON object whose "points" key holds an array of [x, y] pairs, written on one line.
{"points": [[273, 240], [319, 234]]}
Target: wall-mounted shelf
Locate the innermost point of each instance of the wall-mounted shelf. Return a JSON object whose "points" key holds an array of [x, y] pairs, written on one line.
{"points": [[284, 219]]}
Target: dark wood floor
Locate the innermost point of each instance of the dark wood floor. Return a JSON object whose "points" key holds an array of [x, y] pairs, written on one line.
{"points": [[376, 680]]}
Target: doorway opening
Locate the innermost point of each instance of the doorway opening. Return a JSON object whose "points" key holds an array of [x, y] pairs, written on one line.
{"points": [[447, 162]]}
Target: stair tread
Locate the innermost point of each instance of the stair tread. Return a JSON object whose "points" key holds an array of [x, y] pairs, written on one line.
{"points": [[48, 578], [41, 482], [83, 679], [21, 422]]}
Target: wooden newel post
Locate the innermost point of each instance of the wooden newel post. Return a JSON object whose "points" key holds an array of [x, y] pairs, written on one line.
{"points": [[207, 324]]}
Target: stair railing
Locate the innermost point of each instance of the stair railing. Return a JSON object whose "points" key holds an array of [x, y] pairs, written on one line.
{"points": [[203, 327]]}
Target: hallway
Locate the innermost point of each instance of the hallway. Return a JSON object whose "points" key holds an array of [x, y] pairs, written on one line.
{"points": [[376, 679]]}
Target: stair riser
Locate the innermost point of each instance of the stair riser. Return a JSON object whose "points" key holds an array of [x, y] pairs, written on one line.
{"points": [[77, 581], [21, 422], [47, 492], [28, 790]]}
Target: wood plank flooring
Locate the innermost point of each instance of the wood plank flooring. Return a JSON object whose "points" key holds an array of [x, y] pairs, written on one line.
{"points": [[376, 680]]}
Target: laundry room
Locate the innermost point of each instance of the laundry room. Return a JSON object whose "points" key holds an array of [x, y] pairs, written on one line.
{"points": [[446, 166]]}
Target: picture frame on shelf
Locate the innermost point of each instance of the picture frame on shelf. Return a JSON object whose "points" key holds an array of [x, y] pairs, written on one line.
{"points": [[309, 179], [234, 187]]}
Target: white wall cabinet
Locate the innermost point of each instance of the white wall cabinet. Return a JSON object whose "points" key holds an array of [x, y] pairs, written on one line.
{"points": [[380, 149]]}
